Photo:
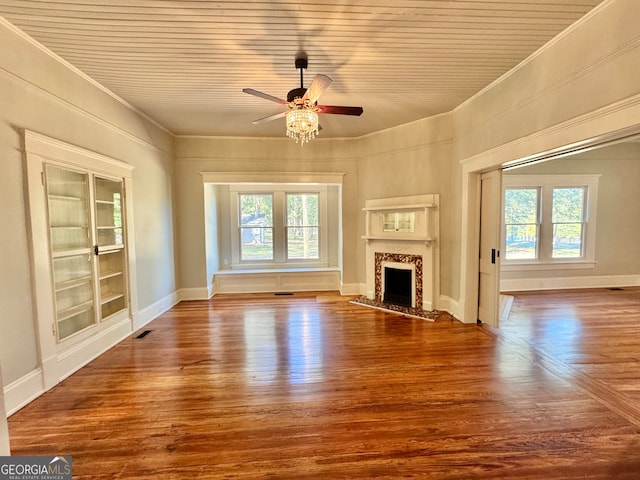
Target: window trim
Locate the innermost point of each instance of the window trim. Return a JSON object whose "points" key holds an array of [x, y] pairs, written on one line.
{"points": [[546, 184], [279, 192]]}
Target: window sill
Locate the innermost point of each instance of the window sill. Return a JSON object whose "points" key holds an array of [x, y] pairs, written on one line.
{"points": [[557, 265]]}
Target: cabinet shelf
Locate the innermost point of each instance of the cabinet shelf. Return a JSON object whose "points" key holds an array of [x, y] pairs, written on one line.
{"points": [[65, 198], [110, 297], [70, 252], [76, 282], [75, 310], [105, 202], [112, 274]]}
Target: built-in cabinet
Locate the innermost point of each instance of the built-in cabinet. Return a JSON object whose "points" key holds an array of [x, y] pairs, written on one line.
{"points": [[84, 276], [85, 213]]}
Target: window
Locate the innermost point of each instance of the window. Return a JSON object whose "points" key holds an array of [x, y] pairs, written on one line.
{"points": [[278, 226], [568, 222], [521, 207], [256, 226], [302, 226], [549, 219]]}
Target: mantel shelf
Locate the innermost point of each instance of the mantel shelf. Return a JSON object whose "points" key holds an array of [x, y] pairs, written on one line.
{"points": [[383, 208], [398, 238]]}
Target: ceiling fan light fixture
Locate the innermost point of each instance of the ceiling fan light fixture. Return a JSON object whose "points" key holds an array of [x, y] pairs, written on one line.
{"points": [[302, 124]]}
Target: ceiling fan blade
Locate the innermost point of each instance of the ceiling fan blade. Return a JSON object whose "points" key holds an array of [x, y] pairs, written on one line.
{"points": [[319, 85], [269, 118], [266, 96], [336, 110]]}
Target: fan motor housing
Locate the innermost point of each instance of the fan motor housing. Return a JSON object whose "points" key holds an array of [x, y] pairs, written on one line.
{"points": [[296, 93]]}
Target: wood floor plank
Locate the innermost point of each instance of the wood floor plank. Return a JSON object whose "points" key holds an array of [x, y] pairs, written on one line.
{"points": [[312, 386]]}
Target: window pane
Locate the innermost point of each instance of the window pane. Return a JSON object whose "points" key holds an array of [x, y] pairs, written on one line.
{"points": [[521, 223], [302, 226], [568, 205], [302, 209], [567, 240], [521, 205], [256, 222], [257, 243], [521, 242], [302, 243], [256, 210], [567, 217]]}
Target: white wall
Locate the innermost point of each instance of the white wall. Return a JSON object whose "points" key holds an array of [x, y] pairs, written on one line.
{"points": [[42, 94]]}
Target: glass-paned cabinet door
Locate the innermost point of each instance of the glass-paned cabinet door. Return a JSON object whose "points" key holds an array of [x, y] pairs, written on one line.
{"points": [[74, 295], [109, 219], [71, 254], [110, 246], [68, 201]]}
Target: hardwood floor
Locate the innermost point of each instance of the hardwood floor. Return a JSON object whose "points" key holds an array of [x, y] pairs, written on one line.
{"points": [[311, 386]]}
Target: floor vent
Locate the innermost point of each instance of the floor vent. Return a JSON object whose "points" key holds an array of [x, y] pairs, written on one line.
{"points": [[283, 293], [144, 334], [616, 288]]}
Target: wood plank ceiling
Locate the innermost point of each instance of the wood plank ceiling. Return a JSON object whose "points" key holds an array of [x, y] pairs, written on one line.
{"points": [[185, 63]]}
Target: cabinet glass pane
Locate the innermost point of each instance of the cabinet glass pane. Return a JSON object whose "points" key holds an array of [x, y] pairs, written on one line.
{"points": [[75, 323], [73, 285], [66, 269], [405, 221], [109, 219], [68, 202], [389, 222]]}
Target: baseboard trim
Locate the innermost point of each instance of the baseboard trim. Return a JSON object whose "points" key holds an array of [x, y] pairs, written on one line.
{"points": [[23, 391], [153, 311], [564, 283], [347, 289], [187, 294], [450, 306]]}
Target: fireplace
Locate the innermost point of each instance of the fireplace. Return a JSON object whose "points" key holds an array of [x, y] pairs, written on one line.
{"points": [[398, 286], [402, 263], [408, 267]]}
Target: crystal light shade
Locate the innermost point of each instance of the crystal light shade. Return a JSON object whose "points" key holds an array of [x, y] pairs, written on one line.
{"points": [[302, 124]]}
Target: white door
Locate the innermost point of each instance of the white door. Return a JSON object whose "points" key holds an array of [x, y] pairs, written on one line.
{"points": [[490, 226]]}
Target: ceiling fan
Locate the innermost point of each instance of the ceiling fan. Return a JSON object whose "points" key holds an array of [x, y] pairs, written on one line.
{"points": [[303, 108]]}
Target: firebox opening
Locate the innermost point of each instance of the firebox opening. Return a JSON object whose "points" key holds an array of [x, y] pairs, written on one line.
{"points": [[398, 286]]}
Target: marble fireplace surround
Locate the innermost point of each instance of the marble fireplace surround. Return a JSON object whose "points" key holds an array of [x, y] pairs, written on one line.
{"points": [[398, 260], [417, 250]]}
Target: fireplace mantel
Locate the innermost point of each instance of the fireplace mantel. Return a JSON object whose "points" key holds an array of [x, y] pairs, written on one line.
{"points": [[420, 208], [417, 240]]}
